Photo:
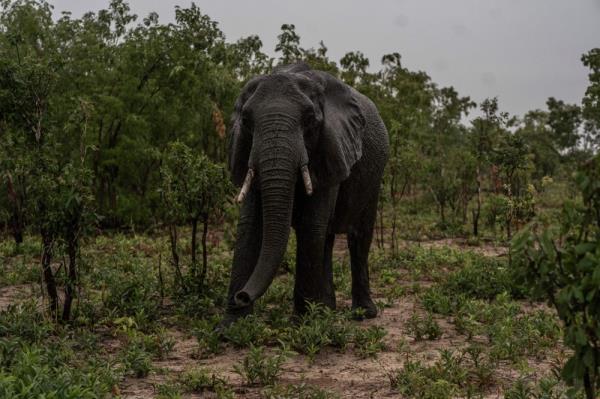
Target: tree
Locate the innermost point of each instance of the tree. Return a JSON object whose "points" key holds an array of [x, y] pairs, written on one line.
{"points": [[562, 264], [591, 100], [445, 149], [40, 126], [354, 67], [564, 121], [483, 137], [288, 45], [193, 190], [512, 156]]}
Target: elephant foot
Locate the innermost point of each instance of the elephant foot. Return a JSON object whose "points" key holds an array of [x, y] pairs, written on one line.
{"points": [[364, 309]]}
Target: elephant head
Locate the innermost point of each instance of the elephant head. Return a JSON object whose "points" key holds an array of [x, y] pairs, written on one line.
{"points": [[293, 122]]}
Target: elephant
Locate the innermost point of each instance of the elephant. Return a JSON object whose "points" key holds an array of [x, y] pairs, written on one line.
{"points": [[308, 152]]}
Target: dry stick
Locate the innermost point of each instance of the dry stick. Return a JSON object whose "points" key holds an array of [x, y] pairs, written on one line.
{"points": [[174, 254], [160, 279], [204, 254]]}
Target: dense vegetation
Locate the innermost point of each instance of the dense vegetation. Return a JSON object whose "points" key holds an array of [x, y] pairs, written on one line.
{"points": [[112, 152]]}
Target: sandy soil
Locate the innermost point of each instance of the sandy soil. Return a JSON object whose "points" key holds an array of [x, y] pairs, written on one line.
{"points": [[344, 373]]}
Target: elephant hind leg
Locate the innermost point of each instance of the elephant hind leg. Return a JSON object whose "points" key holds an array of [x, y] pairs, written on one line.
{"points": [[359, 243]]}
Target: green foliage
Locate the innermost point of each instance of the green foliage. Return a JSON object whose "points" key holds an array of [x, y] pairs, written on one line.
{"points": [[303, 391], [36, 363], [562, 265], [192, 185], [260, 368], [137, 361], [414, 380], [423, 327], [591, 100], [453, 374], [200, 380], [248, 331], [368, 342]]}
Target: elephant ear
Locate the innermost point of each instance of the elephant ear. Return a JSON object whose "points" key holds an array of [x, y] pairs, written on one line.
{"points": [[240, 138], [339, 145]]}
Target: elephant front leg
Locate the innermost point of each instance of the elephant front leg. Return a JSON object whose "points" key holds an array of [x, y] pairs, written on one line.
{"points": [[314, 272], [245, 255], [314, 275]]}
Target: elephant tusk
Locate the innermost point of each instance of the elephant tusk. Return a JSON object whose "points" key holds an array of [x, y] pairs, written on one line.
{"points": [[307, 181], [246, 186]]}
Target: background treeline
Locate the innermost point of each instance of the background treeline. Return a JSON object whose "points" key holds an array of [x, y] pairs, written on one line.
{"points": [[92, 103]]}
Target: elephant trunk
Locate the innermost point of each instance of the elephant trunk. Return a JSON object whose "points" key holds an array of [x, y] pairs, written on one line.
{"points": [[278, 164]]}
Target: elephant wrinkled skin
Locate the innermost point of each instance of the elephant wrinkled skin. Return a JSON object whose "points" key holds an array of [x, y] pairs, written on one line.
{"points": [[309, 153]]}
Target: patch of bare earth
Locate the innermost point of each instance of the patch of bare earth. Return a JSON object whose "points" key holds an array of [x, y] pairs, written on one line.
{"points": [[14, 294]]}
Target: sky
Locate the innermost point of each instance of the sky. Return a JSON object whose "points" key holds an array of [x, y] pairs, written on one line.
{"points": [[522, 51]]}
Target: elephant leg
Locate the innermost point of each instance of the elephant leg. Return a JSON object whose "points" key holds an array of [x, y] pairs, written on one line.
{"points": [[328, 267], [245, 255], [314, 280], [314, 274], [359, 243]]}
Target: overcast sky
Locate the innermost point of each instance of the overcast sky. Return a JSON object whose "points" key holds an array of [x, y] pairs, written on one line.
{"points": [[522, 51]]}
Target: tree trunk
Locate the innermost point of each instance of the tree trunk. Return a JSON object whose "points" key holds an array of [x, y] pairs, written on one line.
{"points": [[47, 244], [443, 212], [72, 246], [394, 213], [174, 253], [477, 211], [194, 247], [589, 385]]}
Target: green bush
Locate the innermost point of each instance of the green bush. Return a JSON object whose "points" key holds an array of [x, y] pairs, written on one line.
{"points": [[563, 265]]}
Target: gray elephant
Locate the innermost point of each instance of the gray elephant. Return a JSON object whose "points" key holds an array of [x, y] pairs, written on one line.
{"points": [[308, 152]]}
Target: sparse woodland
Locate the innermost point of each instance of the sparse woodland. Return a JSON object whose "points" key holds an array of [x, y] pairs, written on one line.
{"points": [[117, 222]]}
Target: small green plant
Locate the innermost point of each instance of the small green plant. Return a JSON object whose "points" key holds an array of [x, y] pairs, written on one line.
{"points": [[200, 380], [423, 327], [137, 361], [303, 391], [259, 368], [320, 327], [414, 380], [520, 389], [209, 340], [369, 341], [168, 391], [437, 301], [248, 331]]}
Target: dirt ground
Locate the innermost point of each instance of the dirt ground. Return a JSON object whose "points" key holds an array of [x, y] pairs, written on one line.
{"points": [[343, 373]]}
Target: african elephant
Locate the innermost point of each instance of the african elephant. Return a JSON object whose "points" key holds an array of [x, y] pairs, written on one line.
{"points": [[308, 152]]}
